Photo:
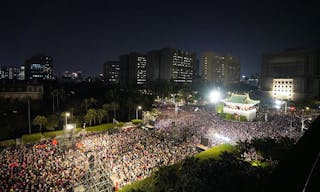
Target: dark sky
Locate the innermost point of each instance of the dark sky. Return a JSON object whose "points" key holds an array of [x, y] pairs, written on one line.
{"points": [[82, 35]]}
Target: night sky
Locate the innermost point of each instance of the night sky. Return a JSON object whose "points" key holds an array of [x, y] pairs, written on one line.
{"points": [[82, 35]]}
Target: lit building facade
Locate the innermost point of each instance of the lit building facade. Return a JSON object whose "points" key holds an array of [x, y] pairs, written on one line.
{"points": [[220, 69], [9, 73], [241, 105], [133, 71], [76, 76], [39, 68], [171, 65], [283, 89], [111, 72], [292, 74]]}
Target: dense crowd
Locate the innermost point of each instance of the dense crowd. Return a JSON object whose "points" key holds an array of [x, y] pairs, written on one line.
{"points": [[136, 153], [204, 124], [131, 154], [128, 156], [40, 167]]}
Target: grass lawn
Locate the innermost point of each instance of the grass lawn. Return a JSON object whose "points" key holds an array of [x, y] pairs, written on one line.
{"points": [[215, 152], [259, 164], [143, 184]]}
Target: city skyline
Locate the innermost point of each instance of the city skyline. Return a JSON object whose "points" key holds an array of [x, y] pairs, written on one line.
{"points": [[83, 36]]}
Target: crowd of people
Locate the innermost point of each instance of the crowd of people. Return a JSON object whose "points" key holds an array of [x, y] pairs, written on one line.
{"points": [[40, 167], [127, 156], [135, 153], [204, 123], [130, 154]]}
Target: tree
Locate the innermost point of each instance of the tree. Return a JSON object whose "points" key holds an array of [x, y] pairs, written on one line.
{"points": [[101, 113], [91, 116], [106, 107], [85, 104], [130, 105], [88, 119], [53, 121], [57, 94], [53, 93], [115, 106], [40, 120], [88, 102]]}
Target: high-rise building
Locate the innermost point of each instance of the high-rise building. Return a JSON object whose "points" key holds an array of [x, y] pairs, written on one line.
{"points": [[111, 72], [133, 70], [171, 65], [21, 75], [39, 68], [220, 69], [9, 73], [292, 74], [76, 76]]}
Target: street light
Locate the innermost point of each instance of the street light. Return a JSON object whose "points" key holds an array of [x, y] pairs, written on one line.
{"points": [[139, 108], [67, 115], [279, 103], [214, 96]]}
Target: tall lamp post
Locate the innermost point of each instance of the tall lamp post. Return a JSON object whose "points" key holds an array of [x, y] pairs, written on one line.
{"points": [[67, 115], [279, 104], [215, 97], [138, 108]]}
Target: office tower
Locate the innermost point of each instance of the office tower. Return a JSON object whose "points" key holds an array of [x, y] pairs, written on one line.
{"points": [[111, 72], [220, 69], [171, 65], [9, 73], [292, 74], [39, 68], [133, 70]]}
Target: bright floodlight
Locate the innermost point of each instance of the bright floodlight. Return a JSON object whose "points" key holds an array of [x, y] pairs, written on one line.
{"points": [[215, 96], [67, 114], [70, 127], [278, 102], [139, 108], [278, 106], [218, 136]]}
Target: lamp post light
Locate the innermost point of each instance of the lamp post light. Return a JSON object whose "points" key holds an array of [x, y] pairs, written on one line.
{"points": [[279, 103], [67, 115], [285, 107], [137, 115], [214, 96]]}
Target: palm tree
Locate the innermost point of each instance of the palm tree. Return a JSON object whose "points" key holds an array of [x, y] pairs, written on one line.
{"points": [[57, 94], [53, 121], [101, 113], [93, 101], [88, 119], [93, 115], [106, 107], [130, 105], [89, 102], [53, 94], [27, 99], [40, 120], [115, 107]]}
